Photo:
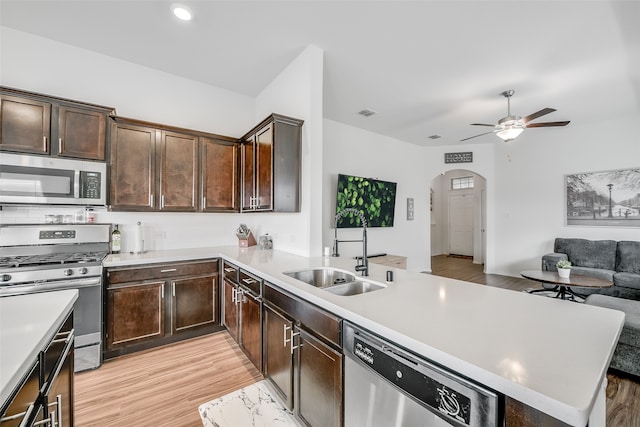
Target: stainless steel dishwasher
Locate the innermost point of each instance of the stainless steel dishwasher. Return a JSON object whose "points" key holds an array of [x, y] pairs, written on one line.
{"points": [[388, 386]]}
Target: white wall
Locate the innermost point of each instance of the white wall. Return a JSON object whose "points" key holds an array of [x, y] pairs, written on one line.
{"points": [[41, 65], [353, 151], [297, 92], [529, 182]]}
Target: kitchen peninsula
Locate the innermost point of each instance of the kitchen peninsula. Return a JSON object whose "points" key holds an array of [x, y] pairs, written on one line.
{"points": [[511, 342]]}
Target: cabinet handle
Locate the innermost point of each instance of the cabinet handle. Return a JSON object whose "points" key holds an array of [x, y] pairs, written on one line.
{"points": [[168, 270], [234, 297], [162, 292], [204, 202], [59, 145], [229, 270], [293, 335], [249, 281], [151, 200], [239, 296], [162, 201], [44, 143], [173, 289], [285, 328]]}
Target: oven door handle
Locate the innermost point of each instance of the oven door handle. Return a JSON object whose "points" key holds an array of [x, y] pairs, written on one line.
{"points": [[30, 288]]}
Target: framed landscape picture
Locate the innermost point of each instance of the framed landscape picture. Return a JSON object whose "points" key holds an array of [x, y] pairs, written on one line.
{"points": [[610, 198]]}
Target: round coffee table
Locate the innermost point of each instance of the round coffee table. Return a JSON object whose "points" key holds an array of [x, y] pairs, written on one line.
{"points": [[562, 286]]}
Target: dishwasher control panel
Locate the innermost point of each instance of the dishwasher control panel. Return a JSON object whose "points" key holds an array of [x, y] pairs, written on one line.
{"points": [[420, 386]]}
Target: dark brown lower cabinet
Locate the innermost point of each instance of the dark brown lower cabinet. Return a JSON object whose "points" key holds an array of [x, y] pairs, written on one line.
{"points": [[278, 357], [194, 302], [157, 304], [250, 325], [135, 313], [303, 366], [230, 318], [318, 382]]}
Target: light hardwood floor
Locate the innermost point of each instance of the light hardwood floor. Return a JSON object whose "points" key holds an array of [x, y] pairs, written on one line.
{"points": [[164, 386]]}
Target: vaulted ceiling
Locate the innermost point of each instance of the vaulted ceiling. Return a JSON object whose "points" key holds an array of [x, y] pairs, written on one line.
{"points": [[425, 67]]}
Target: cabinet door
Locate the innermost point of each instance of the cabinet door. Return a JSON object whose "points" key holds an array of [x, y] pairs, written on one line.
{"points": [[230, 319], [193, 302], [318, 382], [278, 357], [133, 168], [264, 168], [60, 396], [178, 167], [250, 326], [81, 133], [25, 125], [248, 157], [135, 313], [219, 176], [24, 402]]}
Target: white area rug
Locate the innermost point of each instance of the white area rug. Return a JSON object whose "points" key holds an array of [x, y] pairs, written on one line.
{"points": [[250, 406]]}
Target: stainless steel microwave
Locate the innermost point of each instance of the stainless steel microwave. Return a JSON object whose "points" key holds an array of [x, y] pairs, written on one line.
{"points": [[26, 179]]}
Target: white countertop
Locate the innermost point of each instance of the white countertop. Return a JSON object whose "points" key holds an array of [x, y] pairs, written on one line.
{"points": [[549, 354], [27, 324]]}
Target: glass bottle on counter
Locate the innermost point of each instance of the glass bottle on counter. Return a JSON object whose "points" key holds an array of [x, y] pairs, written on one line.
{"points": [[115, 240]]}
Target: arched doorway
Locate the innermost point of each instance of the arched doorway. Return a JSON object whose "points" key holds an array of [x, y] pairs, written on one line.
{"points": [[458, 215]]}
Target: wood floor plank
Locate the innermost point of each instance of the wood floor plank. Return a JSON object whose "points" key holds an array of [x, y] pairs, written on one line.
{"points": [[164, 386]]}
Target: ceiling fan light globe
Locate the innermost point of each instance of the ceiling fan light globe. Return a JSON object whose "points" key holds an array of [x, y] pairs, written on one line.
{"points": [[509, 133]]}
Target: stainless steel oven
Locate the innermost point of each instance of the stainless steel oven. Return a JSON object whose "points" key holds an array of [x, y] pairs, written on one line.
{"points": [[385, 385], [43, 258], [27, 179]]}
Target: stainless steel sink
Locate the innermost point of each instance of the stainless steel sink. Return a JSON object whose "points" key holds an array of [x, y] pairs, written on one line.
{"points": [[354, 288], [335, 281], [322, 277]]}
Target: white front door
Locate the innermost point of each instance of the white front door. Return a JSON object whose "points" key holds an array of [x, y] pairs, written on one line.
{"points": [[461, 225]]}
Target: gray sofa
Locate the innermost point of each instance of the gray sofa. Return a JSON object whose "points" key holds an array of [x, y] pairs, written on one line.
{"points": [[626, 357], [607, 259]]}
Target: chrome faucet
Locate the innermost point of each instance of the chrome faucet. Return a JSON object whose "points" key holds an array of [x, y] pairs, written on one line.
{"points": [[361, 266]]}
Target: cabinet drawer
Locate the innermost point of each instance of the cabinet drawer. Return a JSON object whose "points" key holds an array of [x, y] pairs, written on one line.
{"points": [[230, 271], [314, 318], [250, 281], [159, 271]]}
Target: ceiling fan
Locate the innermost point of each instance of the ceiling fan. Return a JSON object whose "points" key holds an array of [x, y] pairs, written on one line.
{"points": [[509, 127]]}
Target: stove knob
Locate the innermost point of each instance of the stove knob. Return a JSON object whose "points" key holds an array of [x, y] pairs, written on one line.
{"points": [[84, 270], [68, 272], [5, 278]]}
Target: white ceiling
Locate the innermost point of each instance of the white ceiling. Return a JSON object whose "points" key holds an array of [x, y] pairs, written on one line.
{"points": [[426, 67]]}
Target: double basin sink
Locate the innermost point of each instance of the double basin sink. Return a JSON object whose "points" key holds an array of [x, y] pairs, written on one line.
{"points": [[335, 281]]}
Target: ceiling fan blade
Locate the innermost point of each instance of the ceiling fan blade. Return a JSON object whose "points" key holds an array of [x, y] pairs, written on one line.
{"points": [[537, 114], [547, 124], [482, 124], [475, 136]]}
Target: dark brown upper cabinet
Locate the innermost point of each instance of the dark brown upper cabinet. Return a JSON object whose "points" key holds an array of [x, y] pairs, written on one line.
{"points": [[271, 156], [132, 183], [81, 133], [33, 123], [177, 158], [25, 125], [219, 175]]}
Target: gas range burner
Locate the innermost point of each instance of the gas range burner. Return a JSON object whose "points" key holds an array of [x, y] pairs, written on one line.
{"points": [[60, 258]]}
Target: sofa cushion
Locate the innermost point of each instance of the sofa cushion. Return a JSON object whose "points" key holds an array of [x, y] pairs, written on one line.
{"points": [[594, 272], [631, 330], [628, 257], [627, 280], [588, 253]]}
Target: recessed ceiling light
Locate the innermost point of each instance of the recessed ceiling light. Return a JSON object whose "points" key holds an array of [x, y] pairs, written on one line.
{"points": [[182, 12]]}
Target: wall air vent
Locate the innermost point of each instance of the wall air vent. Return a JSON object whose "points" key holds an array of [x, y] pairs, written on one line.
{"points": [[366, 112]]}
